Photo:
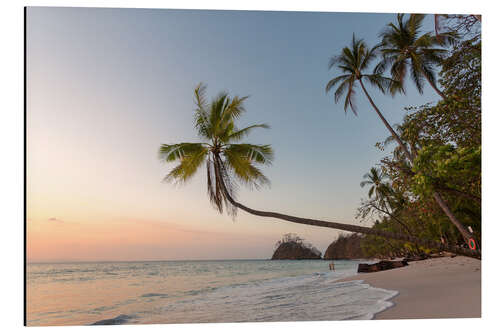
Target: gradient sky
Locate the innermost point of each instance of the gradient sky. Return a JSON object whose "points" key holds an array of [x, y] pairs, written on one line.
{"points": [[106, 87]]}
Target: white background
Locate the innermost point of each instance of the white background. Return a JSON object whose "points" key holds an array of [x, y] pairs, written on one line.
{"points": [[12, 163]]}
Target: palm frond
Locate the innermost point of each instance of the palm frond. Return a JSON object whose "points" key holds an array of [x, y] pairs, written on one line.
{"points": [[177, 151], [333, 82], [425, 41], [240, 134], [334, 61], [416, 74], [369, 56], [365, 182], [199, 96], [201, 117], [349, 98], [262, 154], [234, 109], [340, 90], [382, 65], [189, 164], [396, 87], [378, 81], [216, 108], [429, 73], [414, 23], [433, 56], [243, 169]]}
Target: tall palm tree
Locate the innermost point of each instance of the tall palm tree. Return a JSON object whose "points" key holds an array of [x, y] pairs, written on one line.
{"points": [[353, 62], [385, 198], [405, 49], [229, 163], [375, 178]]}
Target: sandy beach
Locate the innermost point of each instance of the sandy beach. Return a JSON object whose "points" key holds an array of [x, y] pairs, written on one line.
{"points": [[432, 288]]}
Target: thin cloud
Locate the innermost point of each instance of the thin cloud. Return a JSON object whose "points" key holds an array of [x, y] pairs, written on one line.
{"points": [[53, 219]]}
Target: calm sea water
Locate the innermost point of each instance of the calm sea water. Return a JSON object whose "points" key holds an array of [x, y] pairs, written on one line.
{"points": [[197, 292]]}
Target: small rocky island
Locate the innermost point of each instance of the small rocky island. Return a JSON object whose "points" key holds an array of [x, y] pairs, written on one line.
{"points": [[293, 247]]}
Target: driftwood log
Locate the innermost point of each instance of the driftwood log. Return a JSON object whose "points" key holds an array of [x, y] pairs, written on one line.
{"points": [[381, 266], [417, 258]]}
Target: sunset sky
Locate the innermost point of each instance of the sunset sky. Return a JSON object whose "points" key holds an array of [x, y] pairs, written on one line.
{"points": [[105, 87]]}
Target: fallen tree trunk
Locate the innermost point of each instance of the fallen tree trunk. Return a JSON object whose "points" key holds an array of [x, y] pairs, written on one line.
{"points": [[381, 266]]}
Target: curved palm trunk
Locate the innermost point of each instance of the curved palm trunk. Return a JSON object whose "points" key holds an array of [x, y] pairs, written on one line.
{"points": [[465, 233], [437, 197], [389, 127], [340, 226]]}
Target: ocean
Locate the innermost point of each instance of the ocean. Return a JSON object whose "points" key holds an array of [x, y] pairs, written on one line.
{"points": [[198, 292]]}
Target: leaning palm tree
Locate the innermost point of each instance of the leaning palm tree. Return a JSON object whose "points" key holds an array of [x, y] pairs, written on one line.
{"points": [[405, 49], [215, 125], [353, 62], [229, 162]]}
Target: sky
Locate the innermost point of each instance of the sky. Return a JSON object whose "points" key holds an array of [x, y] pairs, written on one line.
{"points": [[106, 87]]}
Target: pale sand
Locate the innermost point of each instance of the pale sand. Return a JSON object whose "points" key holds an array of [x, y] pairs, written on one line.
{"points": [[432, 288]]}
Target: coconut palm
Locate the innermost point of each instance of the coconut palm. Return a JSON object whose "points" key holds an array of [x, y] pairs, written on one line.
{"points": [[385, 199], [215, 125], [229, 163], [406, 49], [354, 62], [375, 178]]}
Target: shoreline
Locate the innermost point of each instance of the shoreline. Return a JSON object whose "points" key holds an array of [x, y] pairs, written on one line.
{"points": [[430, 289]]}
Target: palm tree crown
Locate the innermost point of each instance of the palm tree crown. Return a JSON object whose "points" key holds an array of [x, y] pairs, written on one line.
{"points": [[376, 180], [405, 49], [225, 159], [353, 61]]}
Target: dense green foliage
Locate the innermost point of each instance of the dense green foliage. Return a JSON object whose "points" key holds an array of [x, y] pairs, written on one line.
{"points": [[445, 141], [345, 247]]}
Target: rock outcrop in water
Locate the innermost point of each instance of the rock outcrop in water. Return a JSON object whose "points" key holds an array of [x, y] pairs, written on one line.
{"points": [[345, 247], [293, 247]]}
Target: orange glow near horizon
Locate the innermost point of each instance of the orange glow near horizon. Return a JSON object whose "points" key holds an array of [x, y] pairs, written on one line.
{"points": [[57, 240]]}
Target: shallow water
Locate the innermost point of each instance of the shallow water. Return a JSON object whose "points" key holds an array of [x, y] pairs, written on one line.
{"points": [[197, 292]]}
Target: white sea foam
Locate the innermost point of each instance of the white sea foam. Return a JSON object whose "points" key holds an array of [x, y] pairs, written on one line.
{"points": [[301, 298], [200, 292]]}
